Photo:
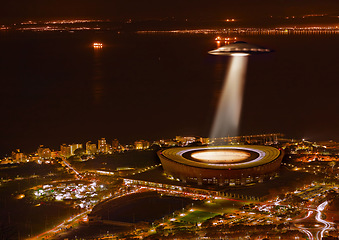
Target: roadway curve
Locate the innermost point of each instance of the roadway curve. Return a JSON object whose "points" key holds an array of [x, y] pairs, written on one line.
{"points": [[316, 214]]}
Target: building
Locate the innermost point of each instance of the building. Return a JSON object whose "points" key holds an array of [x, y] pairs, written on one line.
{"points": [[91, 148], [68, 150], [222, 165], [102, 145], [204, 140], [108, 149], [184, 141], [259, 139], [115, 144], [44, 153], [55, 154], [18, 156], [167, 143], [74, 147], [129, 147], [141, 145], [65, 150]]}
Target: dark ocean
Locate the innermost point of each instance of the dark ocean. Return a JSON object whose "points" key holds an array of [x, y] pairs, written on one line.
{"points": [[55, 88]]}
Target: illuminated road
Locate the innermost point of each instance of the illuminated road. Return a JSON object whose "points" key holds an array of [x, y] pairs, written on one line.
{"points": [[62, 226], [190, 194], [328, 225], [50, 234], [71, 168], [316, 233], [307, 232]]}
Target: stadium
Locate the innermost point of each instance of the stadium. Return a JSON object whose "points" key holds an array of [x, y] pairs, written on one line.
{"points": [[222, 165]]}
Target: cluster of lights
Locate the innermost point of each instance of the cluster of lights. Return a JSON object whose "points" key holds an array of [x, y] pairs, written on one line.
{"points": [[30, 22], [195, 31], [105, 172], [145, 169], [314, 191], [86, 193], [55, 28], [175, 191], [261, 214], [73, 21], [2, 27], [251, 218], [225, 39], [278, 30], [97, 45], [314, 157]]}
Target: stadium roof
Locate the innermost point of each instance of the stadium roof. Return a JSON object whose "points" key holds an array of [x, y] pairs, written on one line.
{"points": [[266, 155]]}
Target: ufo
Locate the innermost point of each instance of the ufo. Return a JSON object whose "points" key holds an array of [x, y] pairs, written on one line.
{"points": [[239, 49]]}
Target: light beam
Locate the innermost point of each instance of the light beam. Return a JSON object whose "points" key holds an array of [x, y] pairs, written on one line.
{"points": [[227, 118]]}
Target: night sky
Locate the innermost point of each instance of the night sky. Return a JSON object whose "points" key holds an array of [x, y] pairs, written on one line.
{"points": [[154, 9]]}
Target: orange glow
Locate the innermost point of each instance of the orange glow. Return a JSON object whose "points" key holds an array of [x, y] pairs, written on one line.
{"points": [[97, 45], [225, 40], [227, 156], [21, 196]]}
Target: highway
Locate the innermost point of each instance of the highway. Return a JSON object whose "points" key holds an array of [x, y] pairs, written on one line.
{"points": [[319, 232], [68, 165], [328, 225], [62, 226]]}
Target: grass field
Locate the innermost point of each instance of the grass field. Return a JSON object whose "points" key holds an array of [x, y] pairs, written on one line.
{"points": [[221, 206], [198, 216]]}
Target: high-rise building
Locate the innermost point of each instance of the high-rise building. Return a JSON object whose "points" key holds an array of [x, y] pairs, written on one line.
{"points": [[108, 149], [185, 140], [91, 148], [54, 154], [204, 140], [115, 144], [43, 152], [65, 150], [74, 147], [141, 145], [102, 145], [18, 156]]}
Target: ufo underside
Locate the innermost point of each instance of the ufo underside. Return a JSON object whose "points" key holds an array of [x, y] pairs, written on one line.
{"points": [[240, 49]]}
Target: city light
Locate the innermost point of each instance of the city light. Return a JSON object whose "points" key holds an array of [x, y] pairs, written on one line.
{"points": [[97, 45]]}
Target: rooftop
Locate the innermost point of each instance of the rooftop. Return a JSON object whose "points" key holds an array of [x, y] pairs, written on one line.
{"points": [[264, 155]]}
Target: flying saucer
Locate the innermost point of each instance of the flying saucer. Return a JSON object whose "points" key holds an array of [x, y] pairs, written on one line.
{"points": [[239, 49]]}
